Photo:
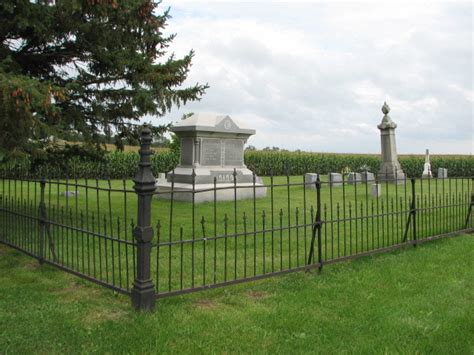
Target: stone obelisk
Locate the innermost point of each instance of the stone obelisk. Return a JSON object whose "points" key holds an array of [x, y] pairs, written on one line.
{"points": [[390, 170]]}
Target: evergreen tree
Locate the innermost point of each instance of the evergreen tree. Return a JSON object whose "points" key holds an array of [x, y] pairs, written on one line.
{"points": [[89, 66]]}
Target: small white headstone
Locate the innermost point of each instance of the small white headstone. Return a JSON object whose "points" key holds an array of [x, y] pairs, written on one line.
{"points": [[442, 173], [161, 178], [376, 190], [335, 179], [310, 180], [70, 193], [367, 177], [354, 178]]}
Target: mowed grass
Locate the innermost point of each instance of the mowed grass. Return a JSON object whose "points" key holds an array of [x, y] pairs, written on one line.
{"points": [[182, 261], [416, 300]]}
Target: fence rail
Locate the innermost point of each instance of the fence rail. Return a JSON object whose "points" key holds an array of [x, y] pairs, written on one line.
{"points": [[125, 235]]}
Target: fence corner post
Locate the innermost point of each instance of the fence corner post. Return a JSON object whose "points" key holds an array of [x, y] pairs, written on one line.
{"points": [[143, 291]]}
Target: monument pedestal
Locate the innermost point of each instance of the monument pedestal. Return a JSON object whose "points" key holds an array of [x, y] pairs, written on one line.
{"points": [[390, 172], [204, 185], [205, 192]]}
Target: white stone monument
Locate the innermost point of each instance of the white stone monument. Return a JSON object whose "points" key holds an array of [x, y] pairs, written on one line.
{"points": [[212, 146], [390, 170], [427, 166]]}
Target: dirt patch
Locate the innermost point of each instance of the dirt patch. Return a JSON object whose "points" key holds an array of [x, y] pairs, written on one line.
{"points": [[100, 315], [205, 304], [75, 291], [31, 264], [257, 294]]}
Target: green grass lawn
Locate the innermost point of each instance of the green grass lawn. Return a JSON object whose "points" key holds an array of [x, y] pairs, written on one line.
{"points": [[417, 300], [371, 223]]}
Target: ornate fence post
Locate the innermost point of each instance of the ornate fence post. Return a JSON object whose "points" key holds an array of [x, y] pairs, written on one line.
{"points": [[319, 223], [413, 209], [42, 221], [143, 291], [316, 229], [471, 205]]}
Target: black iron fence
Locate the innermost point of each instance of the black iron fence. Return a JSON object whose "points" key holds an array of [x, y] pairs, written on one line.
{"points": [[130, 237]]}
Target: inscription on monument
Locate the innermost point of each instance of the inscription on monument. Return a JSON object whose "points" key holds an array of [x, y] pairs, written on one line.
{"points": [[225, 178], [233, 152], [211, 151], [186, 151]]}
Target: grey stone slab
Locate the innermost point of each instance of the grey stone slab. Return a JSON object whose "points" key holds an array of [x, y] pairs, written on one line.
{"points": [[211, 151], [376, 190], [70, 193], [310, 180], [187, 151], [233, 152], [354, 178], [442, 173], [335, 179], [367, 177]]}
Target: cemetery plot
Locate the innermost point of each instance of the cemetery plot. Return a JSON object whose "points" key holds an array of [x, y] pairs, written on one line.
{"points": [[219, 242]]}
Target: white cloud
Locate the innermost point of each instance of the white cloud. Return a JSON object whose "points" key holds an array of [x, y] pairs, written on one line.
{"points": [[313, 75]]}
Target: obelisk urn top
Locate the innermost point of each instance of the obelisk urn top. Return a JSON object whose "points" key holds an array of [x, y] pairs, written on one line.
{"points": [[387, 122]]}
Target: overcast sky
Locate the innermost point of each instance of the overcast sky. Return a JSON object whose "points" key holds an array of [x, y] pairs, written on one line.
{"points": [[313, 75]]}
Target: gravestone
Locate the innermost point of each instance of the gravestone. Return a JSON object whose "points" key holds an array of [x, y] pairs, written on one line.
{"points": [[376, 190], [427, 166], [354, 178], [310, 180], [335, 179], [212, 148], [70, 193], [161, 177], [390, 170], [442, 173], [367, 177]]}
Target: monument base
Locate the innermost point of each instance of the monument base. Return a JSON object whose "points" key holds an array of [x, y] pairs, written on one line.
{"points": [[204, 179], [206, 175], [207, 193], [391, 174]]}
